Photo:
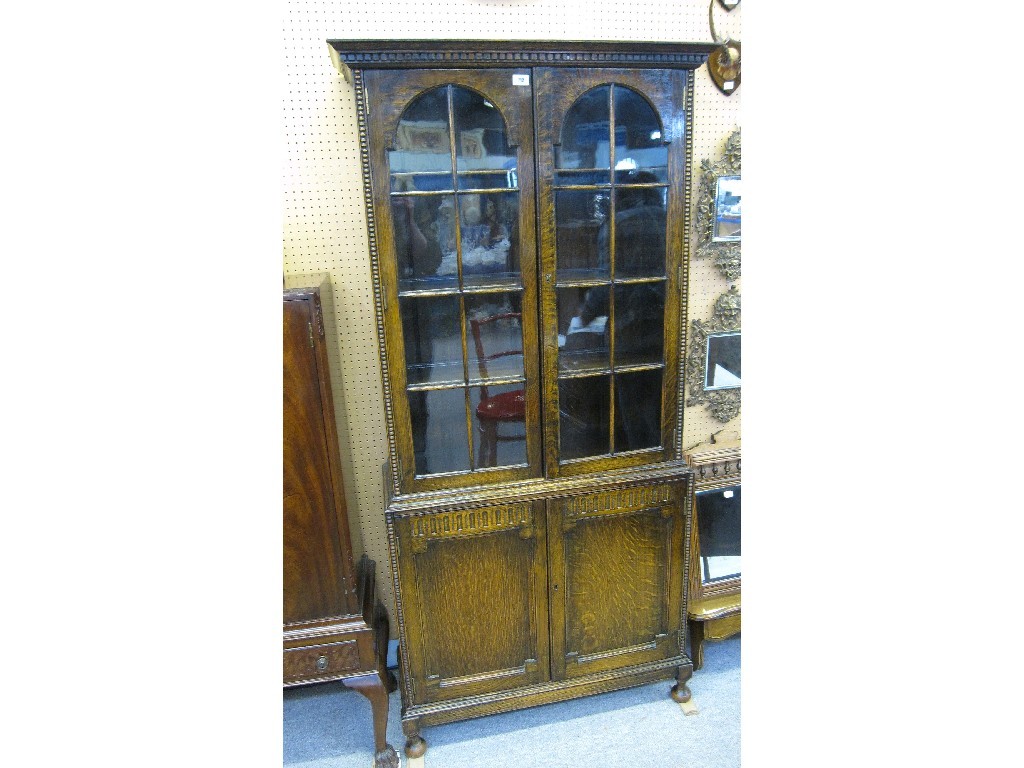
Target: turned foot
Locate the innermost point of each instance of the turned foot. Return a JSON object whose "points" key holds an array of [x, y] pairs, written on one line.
{"points": [[415, 747], [388, 758], [680, 693]]}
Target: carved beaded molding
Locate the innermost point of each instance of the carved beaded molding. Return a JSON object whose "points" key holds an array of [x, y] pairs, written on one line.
{"points": [[725, 254], [724, 403], [385, 54]]}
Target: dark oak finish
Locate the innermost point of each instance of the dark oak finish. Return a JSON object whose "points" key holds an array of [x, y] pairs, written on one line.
{"points": [[334, 626], [523, 581]]}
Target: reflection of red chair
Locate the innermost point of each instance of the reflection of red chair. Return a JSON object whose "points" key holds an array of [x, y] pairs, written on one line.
{"points": [[502, 407]]}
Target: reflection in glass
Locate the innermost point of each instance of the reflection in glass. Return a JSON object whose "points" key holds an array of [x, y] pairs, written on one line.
{"points": [[639, 229], [481, 142], [727, 209], [718, 523], [583, 416], [580, 217], [582, 326], [723, 362], [496, 335], [440, 443], [500, 417], [639, 323], [422, 142], [488, 225], [638, 137], [585, 132], [425, 241], [638, 410], [433, 338]]}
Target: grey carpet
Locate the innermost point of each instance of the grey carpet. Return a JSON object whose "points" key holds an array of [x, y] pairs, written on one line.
{"points": [[329, 726]]}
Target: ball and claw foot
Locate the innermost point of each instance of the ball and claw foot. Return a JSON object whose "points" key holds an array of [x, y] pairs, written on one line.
{"points": [[386, 758], [415, 747], [680, 693]]}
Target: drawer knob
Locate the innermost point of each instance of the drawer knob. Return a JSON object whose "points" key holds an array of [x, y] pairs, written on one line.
{"points": [[321, 663]]}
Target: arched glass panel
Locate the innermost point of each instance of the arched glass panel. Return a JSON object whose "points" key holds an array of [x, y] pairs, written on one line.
{"points": [[610, 197], [455, 216]]}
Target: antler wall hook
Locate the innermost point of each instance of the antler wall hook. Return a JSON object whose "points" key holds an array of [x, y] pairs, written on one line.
{"points": [[724, 62]]}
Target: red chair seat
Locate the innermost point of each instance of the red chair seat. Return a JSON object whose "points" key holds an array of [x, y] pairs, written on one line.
{"points": [[507, 406]]}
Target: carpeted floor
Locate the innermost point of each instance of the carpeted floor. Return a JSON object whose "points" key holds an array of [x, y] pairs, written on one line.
{"points": [[329, 726]]}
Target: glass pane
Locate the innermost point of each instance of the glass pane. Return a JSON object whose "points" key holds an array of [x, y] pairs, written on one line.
{"points": [[425, 241], [583, 416], [584, 176], [582, 328], [639, 231], [496, 335], [638, 135], [423, 143], [637, 410], [439, 439], [718, 521], [489, 224], [480, 139], [723, 363], [585, 132], [499, 417], [639, 324], [728, 196], [433, 338], [489, 180], [581, 246]]}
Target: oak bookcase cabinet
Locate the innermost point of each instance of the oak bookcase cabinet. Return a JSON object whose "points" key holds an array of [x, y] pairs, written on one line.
{"points": [[528, 210], [334, 626]]}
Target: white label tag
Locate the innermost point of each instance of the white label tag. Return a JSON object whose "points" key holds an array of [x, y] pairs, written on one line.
{"points": [[520, 79], [728, 84], [728, 494]]}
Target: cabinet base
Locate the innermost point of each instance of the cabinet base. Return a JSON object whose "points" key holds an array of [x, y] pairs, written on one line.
{"points": [[439, 713]]}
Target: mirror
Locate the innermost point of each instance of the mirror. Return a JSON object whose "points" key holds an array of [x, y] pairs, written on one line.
{"points": [[718, 209], [727, 209], [713, 366], [722, 368], [718, 527]]}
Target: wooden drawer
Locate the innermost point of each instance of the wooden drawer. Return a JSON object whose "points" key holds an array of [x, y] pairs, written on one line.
{"points": [[320, 662]]}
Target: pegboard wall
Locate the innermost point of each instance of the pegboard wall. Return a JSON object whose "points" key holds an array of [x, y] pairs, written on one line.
{"points": [[324, 218]]}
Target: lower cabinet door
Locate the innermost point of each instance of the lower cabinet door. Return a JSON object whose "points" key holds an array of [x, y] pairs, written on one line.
{"points": [[616, 569], [473, 599]]}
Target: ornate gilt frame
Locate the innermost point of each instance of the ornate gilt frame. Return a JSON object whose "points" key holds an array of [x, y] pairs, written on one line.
{"points": [[725, 254], [724, 403]]}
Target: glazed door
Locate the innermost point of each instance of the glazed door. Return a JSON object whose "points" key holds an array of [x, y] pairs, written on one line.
{"points": [[616, 568], [611, 159], [475, 617], [454, 198]]}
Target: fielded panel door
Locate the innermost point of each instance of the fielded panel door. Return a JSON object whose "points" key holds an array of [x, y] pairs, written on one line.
{"points": [[453, 188], [616, 578], [611, 159], [476, 611]]}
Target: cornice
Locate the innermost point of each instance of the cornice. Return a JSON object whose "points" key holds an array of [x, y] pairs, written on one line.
{"points": [[444, 54]]}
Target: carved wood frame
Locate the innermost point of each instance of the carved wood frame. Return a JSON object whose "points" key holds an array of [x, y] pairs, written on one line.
{"points": [[725, 254], [724, 403]]}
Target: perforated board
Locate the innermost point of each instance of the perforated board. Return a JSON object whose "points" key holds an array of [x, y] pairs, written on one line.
{"points": [[324, 218]]}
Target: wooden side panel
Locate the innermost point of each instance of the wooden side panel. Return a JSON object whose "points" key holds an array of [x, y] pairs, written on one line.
{"points": [[617, 565], [474, 600], [313, 572]]}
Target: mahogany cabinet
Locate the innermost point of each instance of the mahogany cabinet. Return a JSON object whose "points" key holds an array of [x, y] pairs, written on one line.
{"points": [[528, 209], [334, 626]]}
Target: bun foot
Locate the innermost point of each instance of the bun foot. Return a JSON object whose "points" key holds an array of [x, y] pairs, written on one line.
{"points": [[386, 758], [680, 693], [415, 747]]}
